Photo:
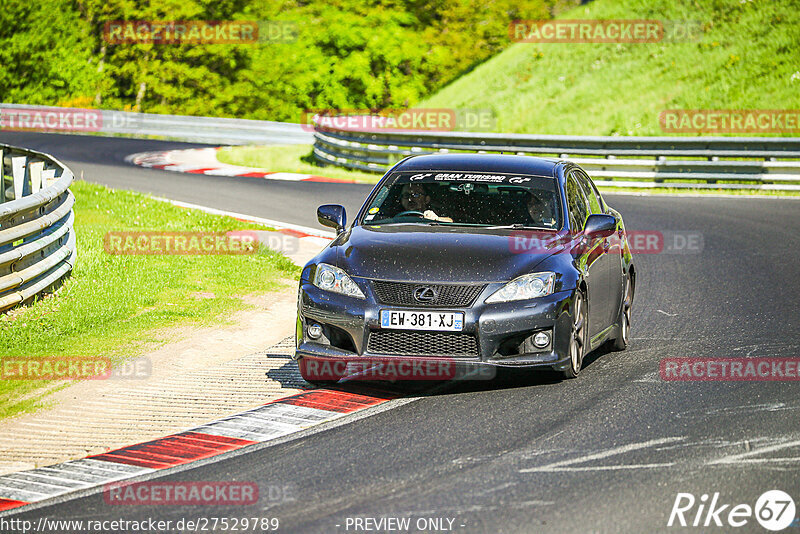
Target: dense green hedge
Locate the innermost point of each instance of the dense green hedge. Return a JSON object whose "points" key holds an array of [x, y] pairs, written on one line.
{"points": [[348, 54]]}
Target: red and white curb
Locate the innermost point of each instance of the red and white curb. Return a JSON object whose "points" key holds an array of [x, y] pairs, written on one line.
{"points": [[276, 419], [204, 161]]}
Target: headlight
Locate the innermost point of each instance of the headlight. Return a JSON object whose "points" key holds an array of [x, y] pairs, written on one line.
{"points": [[525, 287], [333, 279]]}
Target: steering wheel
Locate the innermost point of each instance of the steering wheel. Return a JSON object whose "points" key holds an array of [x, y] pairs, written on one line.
{"points": [[410, 212]]}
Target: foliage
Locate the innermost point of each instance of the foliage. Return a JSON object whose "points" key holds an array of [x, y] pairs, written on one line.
{"points": [[346, 54], [46, 53]]}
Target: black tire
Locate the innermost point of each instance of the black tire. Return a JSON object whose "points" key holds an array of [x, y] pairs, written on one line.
{"points": [[577, 344], [624, 319]]}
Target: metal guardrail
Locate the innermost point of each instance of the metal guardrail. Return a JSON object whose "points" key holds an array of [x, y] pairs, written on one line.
{"points": [[180, 127], [37, 241], [771, 163]]}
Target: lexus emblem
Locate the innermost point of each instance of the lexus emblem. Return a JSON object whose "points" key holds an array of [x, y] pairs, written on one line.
{"points": [[425, 294]]}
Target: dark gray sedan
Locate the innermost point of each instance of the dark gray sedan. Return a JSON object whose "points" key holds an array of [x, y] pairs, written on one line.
{"points": [[482, 260]]}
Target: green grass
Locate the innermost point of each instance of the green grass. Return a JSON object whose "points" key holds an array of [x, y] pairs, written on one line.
{"points": [[288, 158], [116, 306], [746, 59]]}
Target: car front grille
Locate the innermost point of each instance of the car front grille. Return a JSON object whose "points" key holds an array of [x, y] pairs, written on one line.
{"points": [[442, 344], [447, 295]]}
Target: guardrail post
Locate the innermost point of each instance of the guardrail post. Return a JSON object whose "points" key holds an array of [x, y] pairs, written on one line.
{"points": [[35, 170], [48, 177], [18, 170], [2, 178]]}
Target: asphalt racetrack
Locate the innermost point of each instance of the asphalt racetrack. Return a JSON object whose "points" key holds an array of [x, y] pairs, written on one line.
{"points": [[525, 452]]}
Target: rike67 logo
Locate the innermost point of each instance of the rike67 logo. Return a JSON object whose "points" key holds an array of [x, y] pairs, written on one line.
{"points": [[774, 510]]}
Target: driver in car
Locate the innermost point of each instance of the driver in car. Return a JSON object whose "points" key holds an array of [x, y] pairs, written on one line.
{"points": [[414, 197], [540, 211]]}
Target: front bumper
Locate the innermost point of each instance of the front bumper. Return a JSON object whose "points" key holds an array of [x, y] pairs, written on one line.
{"points": [[500, 329]]}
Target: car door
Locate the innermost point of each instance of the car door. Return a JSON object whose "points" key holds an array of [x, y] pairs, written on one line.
{"points": [[590, 258], [611, 256]]}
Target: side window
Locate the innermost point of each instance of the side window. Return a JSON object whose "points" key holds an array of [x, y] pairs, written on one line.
{"points": [[590, 192], [576, 203]]}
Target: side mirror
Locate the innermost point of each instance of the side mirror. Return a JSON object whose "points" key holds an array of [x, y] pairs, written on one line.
{"points": [[599, 225], [332, 215]]}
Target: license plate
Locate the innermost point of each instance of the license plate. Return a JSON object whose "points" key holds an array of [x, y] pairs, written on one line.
{"points": [[422, 320]]}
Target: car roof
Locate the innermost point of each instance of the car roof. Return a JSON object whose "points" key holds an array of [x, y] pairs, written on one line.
{"points": [[504, 163]]}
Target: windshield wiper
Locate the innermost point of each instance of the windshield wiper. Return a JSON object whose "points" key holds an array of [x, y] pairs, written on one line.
{"points": [[456, 224], [518, 226]]}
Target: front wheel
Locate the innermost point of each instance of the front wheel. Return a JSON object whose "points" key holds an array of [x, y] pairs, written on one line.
{"points": [[624, 320], [577, 343]]}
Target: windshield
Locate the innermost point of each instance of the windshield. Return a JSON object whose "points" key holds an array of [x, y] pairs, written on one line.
{"points": [[466, 199]]}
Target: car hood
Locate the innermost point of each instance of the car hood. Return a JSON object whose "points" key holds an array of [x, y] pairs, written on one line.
{"points": [[416, 252]]}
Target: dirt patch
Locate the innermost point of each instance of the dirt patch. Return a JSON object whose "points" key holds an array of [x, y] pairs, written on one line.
{"points": [[200, 374]]}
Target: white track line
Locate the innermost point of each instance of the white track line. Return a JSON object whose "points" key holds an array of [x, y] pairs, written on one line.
{"points": [[568, 465], [251, 218]]}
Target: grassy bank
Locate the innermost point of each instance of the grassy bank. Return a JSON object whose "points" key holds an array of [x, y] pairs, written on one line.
{"points": [[288, 158], [113, 306], [745, 59]]}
